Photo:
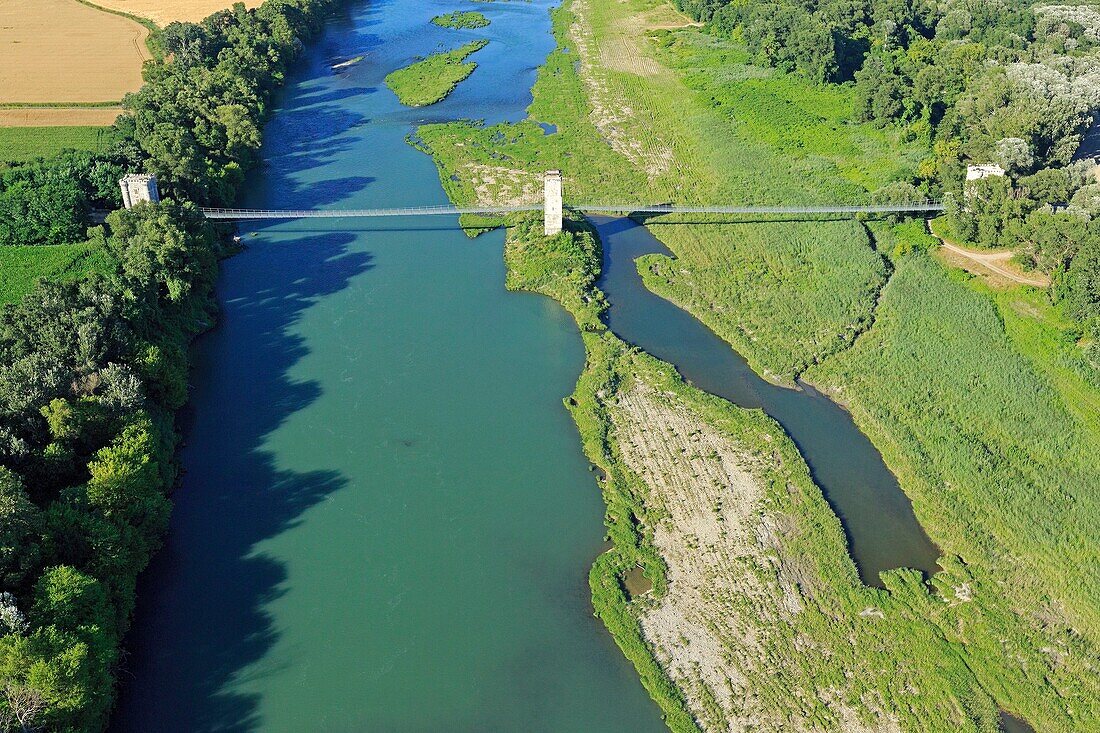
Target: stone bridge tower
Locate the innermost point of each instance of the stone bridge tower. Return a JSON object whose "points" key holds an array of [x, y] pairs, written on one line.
{"points": [[552, 203], [138, 187]]}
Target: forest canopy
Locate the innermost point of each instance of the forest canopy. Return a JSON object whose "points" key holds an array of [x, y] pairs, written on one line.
{"points": [[91, 370]]}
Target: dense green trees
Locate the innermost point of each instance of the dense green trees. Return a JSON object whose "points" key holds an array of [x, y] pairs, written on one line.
{"points": [[91, 370], [198, 117]]}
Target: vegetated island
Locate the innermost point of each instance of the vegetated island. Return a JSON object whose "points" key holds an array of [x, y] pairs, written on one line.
{"points": [[432, 79], [461, 19]]}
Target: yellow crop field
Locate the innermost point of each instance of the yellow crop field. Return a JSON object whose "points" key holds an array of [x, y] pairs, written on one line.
{"points": [[58, 51], [163, 12], [59, 116]]}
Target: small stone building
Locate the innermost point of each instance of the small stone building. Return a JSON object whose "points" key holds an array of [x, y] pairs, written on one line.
{"points": [[138, 187]]}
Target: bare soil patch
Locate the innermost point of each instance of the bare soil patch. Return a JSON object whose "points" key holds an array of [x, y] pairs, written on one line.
{"points": [[713, 538], [55, 51], [500, 186], [620, 48], [163, 12], [728, 626], [994, 266]]}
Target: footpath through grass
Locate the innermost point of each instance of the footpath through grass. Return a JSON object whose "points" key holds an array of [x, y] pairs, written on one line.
{"points": [[976, 403], [432, 79]]}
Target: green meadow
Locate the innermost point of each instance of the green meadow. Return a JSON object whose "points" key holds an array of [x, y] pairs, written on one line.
{"points": [[21, 267]]}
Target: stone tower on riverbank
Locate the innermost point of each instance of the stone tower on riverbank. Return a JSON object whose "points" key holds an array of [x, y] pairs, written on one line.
{"points": [[138, 187], [552, 203]]}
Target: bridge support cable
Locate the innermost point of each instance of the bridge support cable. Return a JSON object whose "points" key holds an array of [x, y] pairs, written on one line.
{"points": [[283, 214], [249, 214]]}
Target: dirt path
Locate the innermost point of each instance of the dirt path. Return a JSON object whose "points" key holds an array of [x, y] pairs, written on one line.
{"points": [[998, 262]]}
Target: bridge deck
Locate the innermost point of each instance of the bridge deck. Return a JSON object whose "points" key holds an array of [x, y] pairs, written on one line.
{"points": [[249, 214]]}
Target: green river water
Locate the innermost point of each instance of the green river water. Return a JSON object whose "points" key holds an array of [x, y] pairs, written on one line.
{"points": [[386, 521]]}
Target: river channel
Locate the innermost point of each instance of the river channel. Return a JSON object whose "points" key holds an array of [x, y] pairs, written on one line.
{"points": [[386, 521], [882, 531]]}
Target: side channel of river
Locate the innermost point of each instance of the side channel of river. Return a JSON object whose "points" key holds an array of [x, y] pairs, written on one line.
{"points": [[386, 520], [882, 531]]}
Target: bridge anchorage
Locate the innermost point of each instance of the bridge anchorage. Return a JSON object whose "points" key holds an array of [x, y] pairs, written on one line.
{"points": [[553, 207]]}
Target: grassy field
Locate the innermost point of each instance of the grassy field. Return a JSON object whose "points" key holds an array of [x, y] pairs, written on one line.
{"points": [[979, 401], [430, 80], [461, 19], [21, 267], [19, 144], [632, 129]]}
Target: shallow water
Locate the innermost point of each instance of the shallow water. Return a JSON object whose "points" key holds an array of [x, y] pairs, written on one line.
{"points": [[386, 521], [1012, 724], [878, 519]]}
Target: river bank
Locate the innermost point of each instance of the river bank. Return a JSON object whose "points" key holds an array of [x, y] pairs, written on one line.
{"points": [[838, 304]]}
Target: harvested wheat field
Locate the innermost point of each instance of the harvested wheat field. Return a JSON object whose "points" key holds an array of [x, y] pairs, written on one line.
{"points": [[163, 12], [59, 116], [56, 51]]}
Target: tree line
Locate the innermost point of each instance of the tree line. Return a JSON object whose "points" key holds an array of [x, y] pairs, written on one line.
{"points": [[980, 81], [92, 371]]}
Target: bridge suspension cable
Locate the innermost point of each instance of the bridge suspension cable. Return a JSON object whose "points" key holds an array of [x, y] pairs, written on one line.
{"points": [[657, 209]]}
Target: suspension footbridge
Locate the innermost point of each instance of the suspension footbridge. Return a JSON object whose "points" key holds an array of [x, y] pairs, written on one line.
{"points": [[137, 188], [287, 214]]}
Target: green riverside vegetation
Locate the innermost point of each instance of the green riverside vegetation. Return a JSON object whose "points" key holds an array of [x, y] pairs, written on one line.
{"points": [[430, 80], [93, 351], [22, 267], [906, 634], [461, 19], [982, 402]]}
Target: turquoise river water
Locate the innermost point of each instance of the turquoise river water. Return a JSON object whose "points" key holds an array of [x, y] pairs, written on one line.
{"points": [[386, 521]]}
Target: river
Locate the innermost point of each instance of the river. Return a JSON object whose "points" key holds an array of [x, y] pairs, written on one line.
{"points": [[386, 521]]}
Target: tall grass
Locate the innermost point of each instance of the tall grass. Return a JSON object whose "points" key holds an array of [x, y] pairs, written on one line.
{"points": [[982, 439]]}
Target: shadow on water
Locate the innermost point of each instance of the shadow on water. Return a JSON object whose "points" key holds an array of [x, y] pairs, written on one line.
{"points": [[402, 578], [197, 629], [882, 531]]}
